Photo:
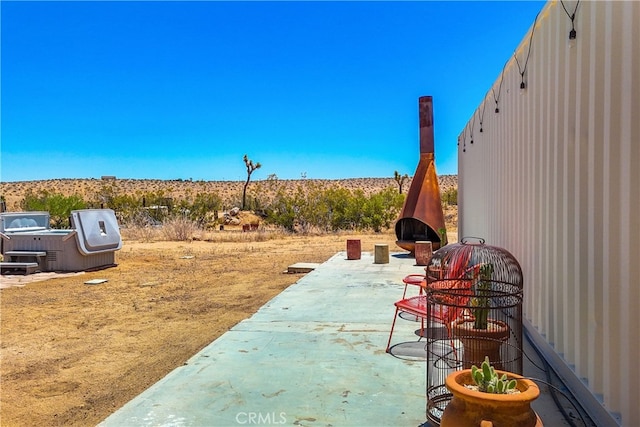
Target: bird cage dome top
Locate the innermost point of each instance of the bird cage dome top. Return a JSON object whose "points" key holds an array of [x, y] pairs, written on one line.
{"points": [[458, 260]]}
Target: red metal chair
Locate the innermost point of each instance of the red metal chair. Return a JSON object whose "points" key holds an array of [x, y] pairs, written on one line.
{"points": [[413, 280], [416, 305]]}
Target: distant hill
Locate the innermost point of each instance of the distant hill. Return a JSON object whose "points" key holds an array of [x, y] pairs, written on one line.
{"points": [[229, 191]]}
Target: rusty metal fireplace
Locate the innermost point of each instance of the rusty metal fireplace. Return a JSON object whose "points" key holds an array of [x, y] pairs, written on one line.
{"points": [[421, 217]]}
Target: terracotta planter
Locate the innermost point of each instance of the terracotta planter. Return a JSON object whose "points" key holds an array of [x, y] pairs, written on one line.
{"points": [[470, 408], [478, 343]]}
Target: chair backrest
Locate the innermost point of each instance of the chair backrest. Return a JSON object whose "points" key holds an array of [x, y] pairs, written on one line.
{"points": [[449, 297]]}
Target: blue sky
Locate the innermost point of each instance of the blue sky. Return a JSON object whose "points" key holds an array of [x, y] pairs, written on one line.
{"points": [[183, 90]]}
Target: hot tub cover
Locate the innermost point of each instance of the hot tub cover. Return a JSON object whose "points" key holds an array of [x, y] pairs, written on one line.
{"points": [[97, 230], [12, 222]]}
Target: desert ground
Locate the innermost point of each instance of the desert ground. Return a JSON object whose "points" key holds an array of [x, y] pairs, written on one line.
{"points": [[73, 353]]}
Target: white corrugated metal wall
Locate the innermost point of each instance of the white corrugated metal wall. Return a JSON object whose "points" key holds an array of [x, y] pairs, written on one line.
{"points": [[554, 177]]}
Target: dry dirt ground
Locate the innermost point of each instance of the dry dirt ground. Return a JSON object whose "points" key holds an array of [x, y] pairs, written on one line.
{"points": [[73, 353]]}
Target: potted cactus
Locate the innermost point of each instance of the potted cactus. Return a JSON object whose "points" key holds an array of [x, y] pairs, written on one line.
{"points": [[486, 379], [486, 397], [480, 335], [480, 302]]}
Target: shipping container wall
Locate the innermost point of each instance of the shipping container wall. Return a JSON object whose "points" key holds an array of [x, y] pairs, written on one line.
{"points": [[552, 173]]}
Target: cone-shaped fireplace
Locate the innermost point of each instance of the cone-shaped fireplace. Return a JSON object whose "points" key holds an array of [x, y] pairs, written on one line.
{"points": [[422, 217]]}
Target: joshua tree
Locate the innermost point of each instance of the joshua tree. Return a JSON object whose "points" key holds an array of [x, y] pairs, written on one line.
{"points": [[400, 179], [250, 168]]}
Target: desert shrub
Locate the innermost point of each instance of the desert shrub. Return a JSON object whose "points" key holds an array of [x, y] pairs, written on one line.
{"points": [[256, 199], [145, 233], [253, 202], [58, 206], [179, 228], [157, 205], [339, 207], [314, 207], [201, 209], [282, 211], [261, 193], [140, 208], [305, 208], [104, 196], [127, 208], [381, 209], [450, 197]]}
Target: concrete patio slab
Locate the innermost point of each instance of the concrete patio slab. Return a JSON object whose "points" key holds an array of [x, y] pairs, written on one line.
{"points": [[312, 356]]}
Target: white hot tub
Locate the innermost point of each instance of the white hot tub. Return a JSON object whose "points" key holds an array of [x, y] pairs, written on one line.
{"points": [[89, 244]]}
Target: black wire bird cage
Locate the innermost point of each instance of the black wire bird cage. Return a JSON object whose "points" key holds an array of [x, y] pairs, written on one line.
{"points": [[474, 307]]}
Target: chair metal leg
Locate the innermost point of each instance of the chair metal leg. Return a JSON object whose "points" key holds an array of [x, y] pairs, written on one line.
{"points": [[393, 325]]}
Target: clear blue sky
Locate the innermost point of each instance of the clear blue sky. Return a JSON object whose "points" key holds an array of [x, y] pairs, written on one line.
{"points": [[183, 90]]}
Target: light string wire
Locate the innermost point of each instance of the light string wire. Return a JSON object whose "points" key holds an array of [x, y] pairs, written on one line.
{"points": [[464, 140], [522, 70], [497, 98], [484, 104], [572, 17], [473, 125]]}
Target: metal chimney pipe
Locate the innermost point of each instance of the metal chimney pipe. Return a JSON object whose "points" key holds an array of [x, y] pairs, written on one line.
{"points": [[425, 114]]}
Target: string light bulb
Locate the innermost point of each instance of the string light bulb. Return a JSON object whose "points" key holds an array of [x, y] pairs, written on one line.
{"points": [[497, 98], [484, 105], [572, 37], [523, 69], [572, 17]]}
